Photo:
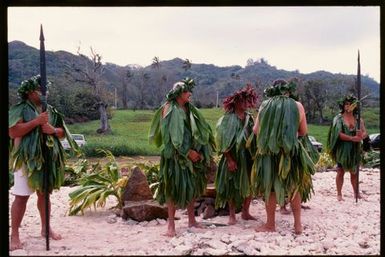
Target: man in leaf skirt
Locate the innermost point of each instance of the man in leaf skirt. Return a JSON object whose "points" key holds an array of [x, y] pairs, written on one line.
{"points": [[27, 124], [282, 166], [187, 144], [236, 142]]}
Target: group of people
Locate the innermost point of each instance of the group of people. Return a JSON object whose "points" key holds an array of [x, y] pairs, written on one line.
{"points": [[269, 156]]}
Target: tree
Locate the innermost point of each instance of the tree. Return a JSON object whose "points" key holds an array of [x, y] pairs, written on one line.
{"points": [[186, 64], [315, 97], [126, 78], [160, 78], [155, 62], [89, 71], [250, 62]]}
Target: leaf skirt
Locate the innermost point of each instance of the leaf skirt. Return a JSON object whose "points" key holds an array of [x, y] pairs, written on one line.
{"points": [[283, 174], [178, 184]]}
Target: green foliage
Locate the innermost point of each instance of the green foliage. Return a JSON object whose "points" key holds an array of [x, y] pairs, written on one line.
{"points": [[73, 172], [325, 162], [97, 185], [10, 179]]}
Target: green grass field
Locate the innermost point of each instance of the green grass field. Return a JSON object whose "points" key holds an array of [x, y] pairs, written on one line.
{"points": [[130, 131]]}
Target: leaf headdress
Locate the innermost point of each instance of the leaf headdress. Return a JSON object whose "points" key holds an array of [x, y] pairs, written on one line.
{"points": [[281, 87], [348, 99], [184, 85], [29, 85]]}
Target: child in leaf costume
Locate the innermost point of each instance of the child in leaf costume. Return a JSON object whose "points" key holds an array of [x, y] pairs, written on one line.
{"points": [[282, 166], [27, 124], [344, 143], [234, 138], [187, 144]]}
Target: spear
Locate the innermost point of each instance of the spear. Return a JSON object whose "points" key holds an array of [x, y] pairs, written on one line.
{"points": [[43, 89], [358, 115]]}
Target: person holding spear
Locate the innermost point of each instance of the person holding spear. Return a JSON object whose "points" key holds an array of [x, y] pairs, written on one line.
{"points": [[35, 151], [344, 143], [344, 139]]}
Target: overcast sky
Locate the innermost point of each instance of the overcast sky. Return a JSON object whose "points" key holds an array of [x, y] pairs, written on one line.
{"points": [[290, 38]]}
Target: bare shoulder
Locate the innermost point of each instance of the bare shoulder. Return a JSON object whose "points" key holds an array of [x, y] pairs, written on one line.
{"points": [[301, 111], [165, 108], [300, 106]]}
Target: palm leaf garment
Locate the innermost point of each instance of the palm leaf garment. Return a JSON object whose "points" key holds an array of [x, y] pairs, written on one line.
{"points": [[30, 151], [281, 162], [232, 136], [344, 152], [181, 180]]}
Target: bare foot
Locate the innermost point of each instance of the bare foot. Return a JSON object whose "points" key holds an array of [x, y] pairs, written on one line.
{"points": [[298, 229], [170, 233], [195, 224], [15, 243], [265, 228], [360, 197], [339, 198], [232, 221], [53, 235], [247, 216]]}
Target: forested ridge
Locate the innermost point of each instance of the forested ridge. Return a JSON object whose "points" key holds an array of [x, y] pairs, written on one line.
{"points": [[79, 81]]}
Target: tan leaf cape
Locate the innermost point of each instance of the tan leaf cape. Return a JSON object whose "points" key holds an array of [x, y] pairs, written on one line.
{"points": [[282, 164], [30, 151], [181, 180], [344, 152], [234, 136]]}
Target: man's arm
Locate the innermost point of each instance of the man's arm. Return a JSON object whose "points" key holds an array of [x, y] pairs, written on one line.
{"points": [[302, 130], [22, 128], [256, 125], [364, 133], [51, 130]]}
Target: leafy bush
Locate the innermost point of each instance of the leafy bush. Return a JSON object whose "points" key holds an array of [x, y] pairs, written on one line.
{"points": [[97, 185], [74, 172], [325, 162]]}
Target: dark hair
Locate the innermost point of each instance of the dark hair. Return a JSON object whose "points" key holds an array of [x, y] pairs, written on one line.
{"points": [[246, 94], [348, 99]]}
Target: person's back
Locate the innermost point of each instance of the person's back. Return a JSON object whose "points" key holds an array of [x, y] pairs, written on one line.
{"points": [[280, 168]]}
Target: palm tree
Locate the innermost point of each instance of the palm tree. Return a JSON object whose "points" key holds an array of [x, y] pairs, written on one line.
{"points": [[155, 63], [186, 64]]}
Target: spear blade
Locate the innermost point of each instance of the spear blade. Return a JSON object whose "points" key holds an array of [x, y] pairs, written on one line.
{"points": [[43, 74], [43, 89]]}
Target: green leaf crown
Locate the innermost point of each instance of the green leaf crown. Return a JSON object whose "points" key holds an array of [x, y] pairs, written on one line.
{"points": [[179, 87], [281, 87], [348, 99], [29, 85]]}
